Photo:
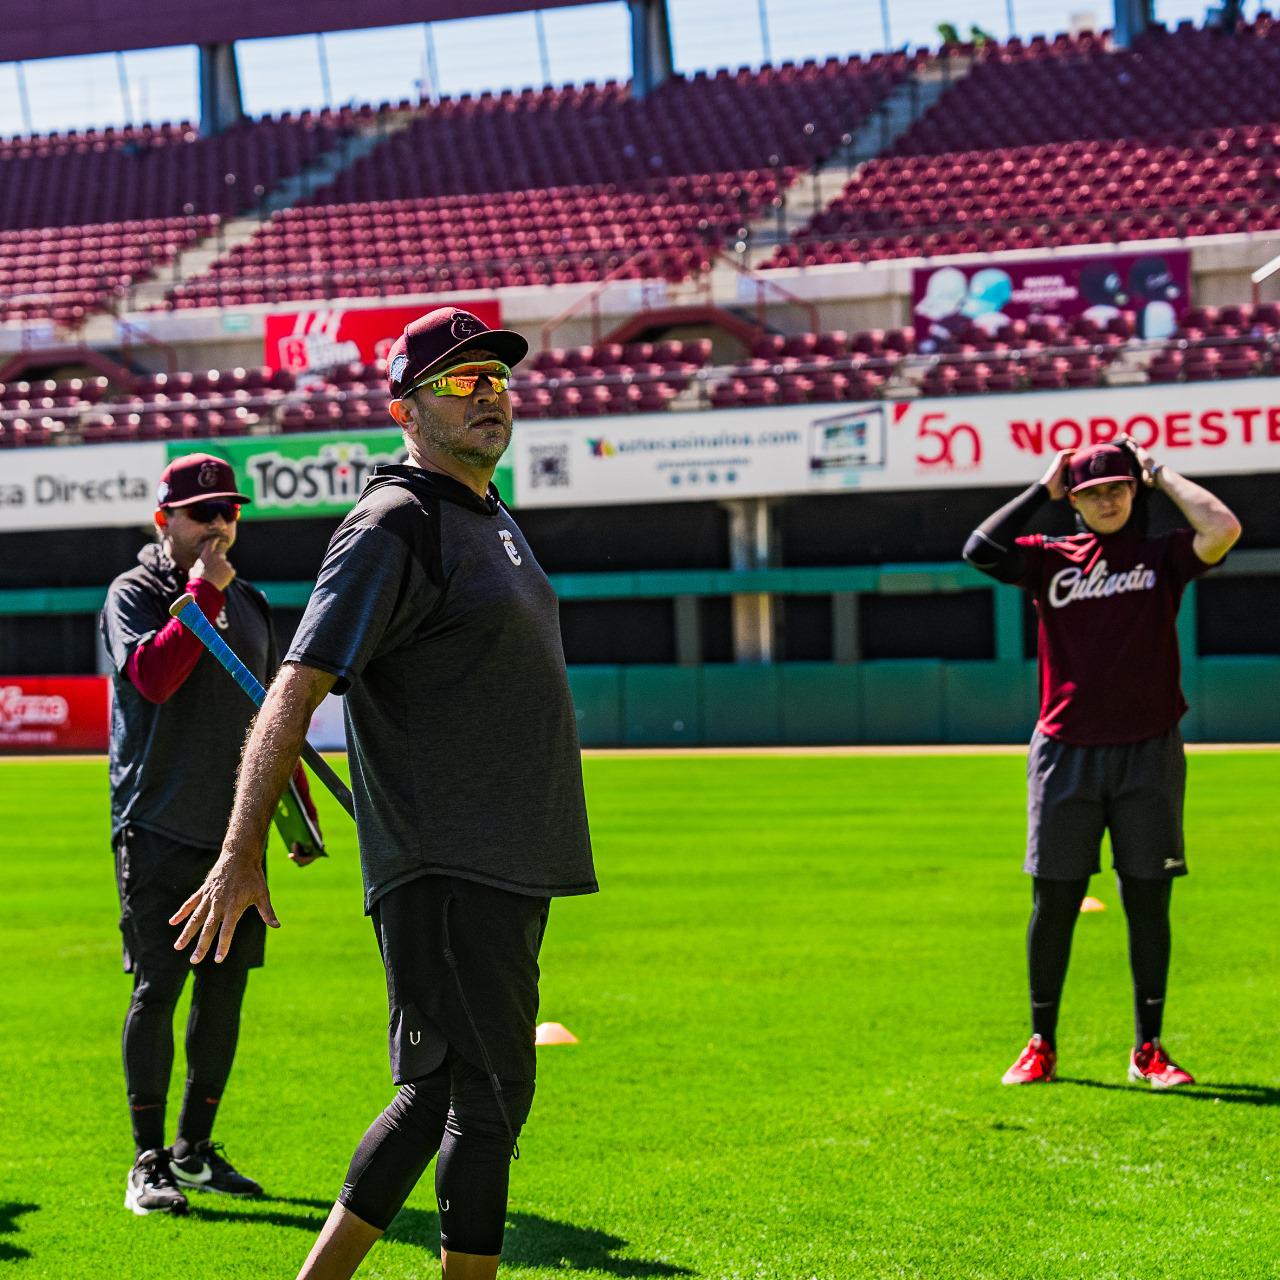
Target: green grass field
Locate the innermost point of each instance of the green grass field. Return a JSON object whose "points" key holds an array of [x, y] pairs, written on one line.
{"points": [[795, 997]]}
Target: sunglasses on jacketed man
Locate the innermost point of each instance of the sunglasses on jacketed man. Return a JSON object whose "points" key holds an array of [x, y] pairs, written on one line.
{"points": [[461, 379], [208, 511]]}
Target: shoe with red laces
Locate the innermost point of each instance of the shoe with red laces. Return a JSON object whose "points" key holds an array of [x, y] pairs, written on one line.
{"points": [[1152, 1064], [1036, 1064]]}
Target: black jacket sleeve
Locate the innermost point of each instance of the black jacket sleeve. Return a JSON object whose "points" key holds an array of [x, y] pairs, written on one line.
{"points": [[991, 546]]}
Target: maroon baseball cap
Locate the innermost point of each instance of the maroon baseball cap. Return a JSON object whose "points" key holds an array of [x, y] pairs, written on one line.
{"points": [[196, 477], [1099, 464], [432, 339]]}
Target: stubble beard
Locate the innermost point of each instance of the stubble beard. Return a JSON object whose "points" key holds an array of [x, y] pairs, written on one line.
{"points": [[479, 456]]}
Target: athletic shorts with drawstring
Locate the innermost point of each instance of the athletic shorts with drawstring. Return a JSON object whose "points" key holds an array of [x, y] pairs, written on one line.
{"points": [[1132, 790], [462, 973]]}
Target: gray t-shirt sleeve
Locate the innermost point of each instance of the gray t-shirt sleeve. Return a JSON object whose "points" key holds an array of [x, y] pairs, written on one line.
{"points": [[130, 615], [361, 604]]}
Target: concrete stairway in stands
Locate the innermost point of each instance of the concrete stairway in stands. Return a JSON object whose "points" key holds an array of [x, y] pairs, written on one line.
{"points": [[200, 256], [814, 190]]}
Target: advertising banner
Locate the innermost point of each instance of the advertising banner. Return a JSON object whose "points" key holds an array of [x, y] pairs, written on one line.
{"points": [[87, 486], [313, 341], [953, 442], [53, 713], [1151, 287], [320, 474], [663, 457], [1202, 428]]}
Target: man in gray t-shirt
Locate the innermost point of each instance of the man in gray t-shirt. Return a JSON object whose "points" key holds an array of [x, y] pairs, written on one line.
{"points": [[434, 620]]}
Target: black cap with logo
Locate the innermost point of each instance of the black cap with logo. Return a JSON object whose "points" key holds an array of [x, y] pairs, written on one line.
{"points": [[196, 477], [431, 339]]}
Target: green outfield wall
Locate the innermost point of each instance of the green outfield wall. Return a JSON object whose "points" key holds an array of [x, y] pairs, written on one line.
{"points": [[895, 700]]}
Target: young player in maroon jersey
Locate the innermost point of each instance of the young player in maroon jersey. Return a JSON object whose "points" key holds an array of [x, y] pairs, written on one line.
{"points": [[1106, 753]]}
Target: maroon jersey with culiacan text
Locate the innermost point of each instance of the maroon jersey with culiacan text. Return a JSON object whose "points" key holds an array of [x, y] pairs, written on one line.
{"points": [[1108, 642]]}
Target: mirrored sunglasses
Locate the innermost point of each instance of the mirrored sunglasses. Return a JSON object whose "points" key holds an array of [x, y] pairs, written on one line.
{"points": [[461, 379]]}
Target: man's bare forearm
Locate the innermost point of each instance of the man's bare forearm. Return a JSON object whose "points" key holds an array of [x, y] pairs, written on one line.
{"points": [[271, 754], [1214, 522]]}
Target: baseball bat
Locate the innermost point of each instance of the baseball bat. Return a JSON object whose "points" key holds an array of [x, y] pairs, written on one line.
{"points": [[185, 609]]}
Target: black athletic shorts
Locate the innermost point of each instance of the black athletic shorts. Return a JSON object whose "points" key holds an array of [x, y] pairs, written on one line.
{"points": [[1133, 790], [495, 937], [154, 877]]}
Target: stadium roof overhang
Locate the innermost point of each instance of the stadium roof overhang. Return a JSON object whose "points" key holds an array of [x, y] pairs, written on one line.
{"points": [[61, 28]]}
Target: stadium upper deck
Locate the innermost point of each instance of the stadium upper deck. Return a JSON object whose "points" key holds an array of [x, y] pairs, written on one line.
{"points": [[571, 185], [1065, 142]]}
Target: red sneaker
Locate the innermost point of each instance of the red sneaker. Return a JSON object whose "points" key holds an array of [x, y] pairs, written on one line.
{"points": [[1036, 1064], [1152, 1064]]}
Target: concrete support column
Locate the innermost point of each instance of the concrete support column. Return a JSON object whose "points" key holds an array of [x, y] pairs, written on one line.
{"points": [[846, 642], [651, 61], [688, 631], [752, 546], [220, 103], [1132, 18]]}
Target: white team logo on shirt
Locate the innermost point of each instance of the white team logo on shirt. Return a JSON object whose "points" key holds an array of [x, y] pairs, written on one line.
{"points": [[510, 547], [1069, 585], [221, 621]]}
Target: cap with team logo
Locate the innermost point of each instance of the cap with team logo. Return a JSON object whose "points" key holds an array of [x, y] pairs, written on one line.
{"points": [[195, 477], [1099, 464], [431, 339]]}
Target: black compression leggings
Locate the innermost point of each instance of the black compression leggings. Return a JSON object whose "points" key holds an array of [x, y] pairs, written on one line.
{"points": [[453, 1111], [1055, 908], [213, 1027]]}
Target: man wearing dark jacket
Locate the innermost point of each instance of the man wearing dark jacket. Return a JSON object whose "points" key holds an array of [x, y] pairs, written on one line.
{"points": [[177, 726]]}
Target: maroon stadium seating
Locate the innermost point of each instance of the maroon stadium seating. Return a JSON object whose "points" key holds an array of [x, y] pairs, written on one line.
{"points": [[162, 172], [65, 272], [1072, 144], [555, 186], [647, 377]]}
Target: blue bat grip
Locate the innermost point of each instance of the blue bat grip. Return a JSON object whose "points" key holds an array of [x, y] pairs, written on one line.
{"points": [[191, 618], [188, 613]]}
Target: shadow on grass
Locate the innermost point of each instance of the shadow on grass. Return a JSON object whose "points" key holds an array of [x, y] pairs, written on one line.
{"points": [[10, 1212], [220, 1209], [532, 1241], [1250, 1095]]}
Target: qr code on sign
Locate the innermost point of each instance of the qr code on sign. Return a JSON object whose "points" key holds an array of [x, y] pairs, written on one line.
{"points": [[549, 466]]}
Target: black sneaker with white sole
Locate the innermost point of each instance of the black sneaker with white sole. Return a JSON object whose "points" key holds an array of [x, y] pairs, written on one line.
{"points": [[205, 1168], [151, 1187]]}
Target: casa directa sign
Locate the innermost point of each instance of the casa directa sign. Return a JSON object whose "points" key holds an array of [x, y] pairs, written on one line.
{"points": [[84, 487]]}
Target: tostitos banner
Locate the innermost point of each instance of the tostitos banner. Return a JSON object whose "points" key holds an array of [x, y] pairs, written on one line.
{"points": [[1202, 428], [315, 341], [53, 713], [1152, 287], [311, 474]]}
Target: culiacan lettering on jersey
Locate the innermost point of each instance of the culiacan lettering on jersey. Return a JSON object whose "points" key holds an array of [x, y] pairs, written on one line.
{"points": [[1069, 585]]}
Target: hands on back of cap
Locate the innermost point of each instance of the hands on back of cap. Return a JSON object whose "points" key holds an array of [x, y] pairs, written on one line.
{"points": [[1146, 463], [1055, 478]]}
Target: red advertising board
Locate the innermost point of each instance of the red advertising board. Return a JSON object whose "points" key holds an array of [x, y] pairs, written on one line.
{"points": [[1153, 288], [53, 713], [313, 341]]}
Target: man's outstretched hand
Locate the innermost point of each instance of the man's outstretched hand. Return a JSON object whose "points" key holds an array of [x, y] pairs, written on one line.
{"points": [[232, 886]]}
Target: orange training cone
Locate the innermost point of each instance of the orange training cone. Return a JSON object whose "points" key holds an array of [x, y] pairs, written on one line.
{"points": [[1092, 904], [553, 1033]]}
